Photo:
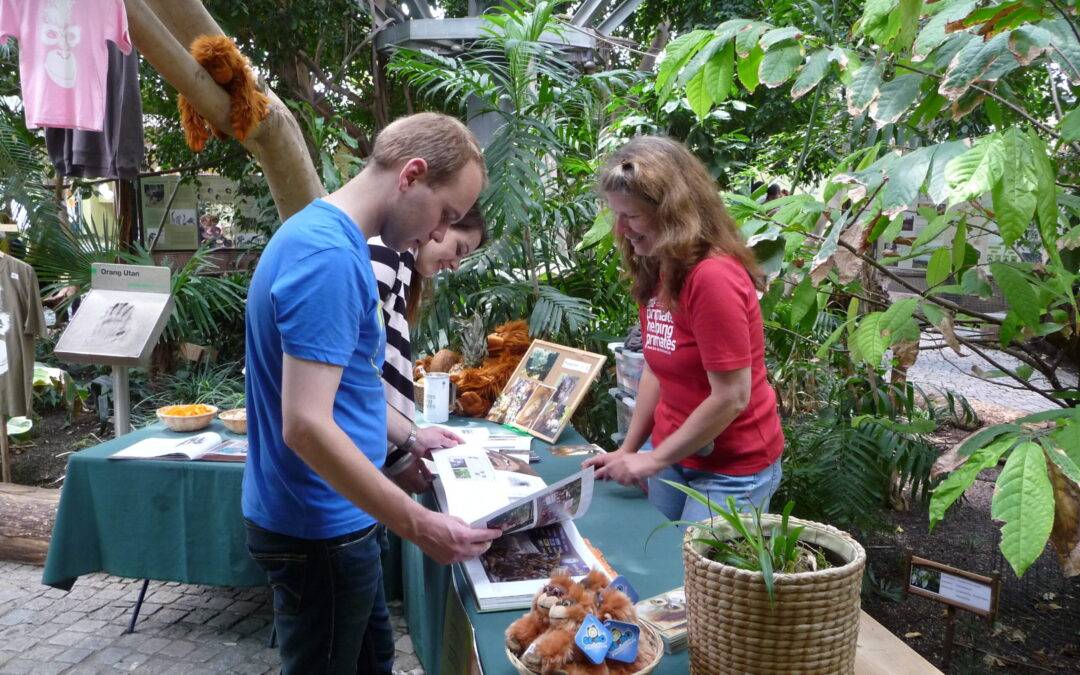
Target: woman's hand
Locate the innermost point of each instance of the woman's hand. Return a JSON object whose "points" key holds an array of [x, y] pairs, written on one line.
{"points": [[625, 467], [415, 479], [433, 438]]}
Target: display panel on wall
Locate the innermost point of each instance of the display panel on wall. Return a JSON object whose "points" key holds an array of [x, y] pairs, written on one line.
{"points": [[182, 215]]}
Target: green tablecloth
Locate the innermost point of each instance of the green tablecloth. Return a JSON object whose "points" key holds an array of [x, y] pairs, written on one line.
{"points": [[150, 519], [617, 523]]}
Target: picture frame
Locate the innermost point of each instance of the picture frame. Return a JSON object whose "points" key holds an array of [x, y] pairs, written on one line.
{"points": [[546, 388]]}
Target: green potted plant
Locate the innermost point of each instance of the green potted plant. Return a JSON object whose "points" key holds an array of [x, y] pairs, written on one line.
{"points": [[770, 593]]}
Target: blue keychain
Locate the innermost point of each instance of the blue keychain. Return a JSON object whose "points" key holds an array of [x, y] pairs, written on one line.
{"points": [[593, 639], [624, 641], [621, 583]]}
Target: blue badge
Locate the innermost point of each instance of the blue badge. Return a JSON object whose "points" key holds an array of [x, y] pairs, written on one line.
{"points": [[624, 641], [593, 639], [621, 583]]}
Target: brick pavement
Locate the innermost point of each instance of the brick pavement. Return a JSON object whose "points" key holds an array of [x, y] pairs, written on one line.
{"points": [[181, 628]]}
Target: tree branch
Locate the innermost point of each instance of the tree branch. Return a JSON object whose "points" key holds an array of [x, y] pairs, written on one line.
{"points": [[1068, 21], [330, 84], [1023, 383], [162, 35]]}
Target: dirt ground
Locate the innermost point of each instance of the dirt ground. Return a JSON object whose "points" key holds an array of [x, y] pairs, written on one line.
{"points": [[1038, 624], [42, 459]]}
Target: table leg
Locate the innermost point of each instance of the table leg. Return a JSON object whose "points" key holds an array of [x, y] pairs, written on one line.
{"points": [[138, 607]]}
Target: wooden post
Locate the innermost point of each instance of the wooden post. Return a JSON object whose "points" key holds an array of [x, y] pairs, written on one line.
{"points": [[950, 632], [5, 452]]}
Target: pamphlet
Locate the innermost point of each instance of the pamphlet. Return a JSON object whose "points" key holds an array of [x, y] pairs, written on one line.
{"points": [[487, 488], [667, 614], [207, 446]]}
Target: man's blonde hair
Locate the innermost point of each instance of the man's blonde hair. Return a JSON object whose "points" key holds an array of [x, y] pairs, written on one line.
{"points": [[443, 142]]}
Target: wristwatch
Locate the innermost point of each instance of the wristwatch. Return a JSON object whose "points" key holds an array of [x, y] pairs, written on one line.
{"points": [[410, 441]]}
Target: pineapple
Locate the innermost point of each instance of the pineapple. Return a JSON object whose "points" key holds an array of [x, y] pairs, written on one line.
{"points": [[474, 342]]}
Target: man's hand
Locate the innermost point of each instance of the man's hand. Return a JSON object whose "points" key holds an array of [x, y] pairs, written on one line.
{"points": [[415, 479], [625, 467], [449, 539], [433, 438]]}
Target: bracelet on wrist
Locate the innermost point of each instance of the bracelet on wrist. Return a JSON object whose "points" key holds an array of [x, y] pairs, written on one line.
{"points": [[410, 441]]}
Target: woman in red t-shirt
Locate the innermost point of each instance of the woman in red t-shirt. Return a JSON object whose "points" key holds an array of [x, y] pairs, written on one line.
{"points": [[703, 398]]}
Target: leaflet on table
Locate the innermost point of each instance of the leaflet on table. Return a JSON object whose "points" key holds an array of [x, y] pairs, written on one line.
{"points": [[501, 440], [512, 498], [209, 446]]}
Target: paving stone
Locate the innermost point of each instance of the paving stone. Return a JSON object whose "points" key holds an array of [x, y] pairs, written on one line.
{"points": [[108, 612], [200, 616], [43, 653], [169, 615], [18, 667], [251, 625], [95, 642], [45, 631], [109, 656], [19, 643], [88, 625], [20, 616], [130, 662], [224, 620], [155, 665], [243, 607], [73, 655], [66, 638], [178, 649], [204, 652]]}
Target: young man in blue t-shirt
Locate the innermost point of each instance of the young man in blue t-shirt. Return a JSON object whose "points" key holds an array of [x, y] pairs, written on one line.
{"points": [[314, 498]]}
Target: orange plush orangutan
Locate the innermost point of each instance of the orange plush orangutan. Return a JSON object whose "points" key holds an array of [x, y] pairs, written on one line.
{"points": [[525, 630], [218, 55]]}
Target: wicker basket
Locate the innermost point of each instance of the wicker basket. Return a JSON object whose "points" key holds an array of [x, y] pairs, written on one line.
{"points": [[235, 420], [813, 627], [650, 644], [186, 422]]}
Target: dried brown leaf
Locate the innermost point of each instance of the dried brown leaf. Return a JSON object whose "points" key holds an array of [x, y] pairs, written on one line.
{"points": [[1065, 536]]}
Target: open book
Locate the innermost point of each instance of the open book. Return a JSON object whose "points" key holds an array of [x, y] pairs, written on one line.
{"points": [[208, 446], [487, 488]]}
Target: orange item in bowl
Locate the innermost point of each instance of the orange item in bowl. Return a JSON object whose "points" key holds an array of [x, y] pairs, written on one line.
{"points": [[192, 410]]}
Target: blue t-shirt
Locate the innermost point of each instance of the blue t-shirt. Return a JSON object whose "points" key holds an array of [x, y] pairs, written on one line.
{"points": [[314, 297]]}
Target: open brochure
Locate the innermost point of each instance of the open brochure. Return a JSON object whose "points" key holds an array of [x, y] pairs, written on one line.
{"points": [[208, 446], [490, 489]]}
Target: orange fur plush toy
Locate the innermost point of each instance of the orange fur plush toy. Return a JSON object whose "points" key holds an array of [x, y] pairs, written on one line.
{"points": [[218, 55], [555, 650], [525, 630]]}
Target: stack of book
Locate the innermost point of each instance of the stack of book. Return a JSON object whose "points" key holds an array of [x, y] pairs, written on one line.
{"points": [[489, 488], [667, 614]]}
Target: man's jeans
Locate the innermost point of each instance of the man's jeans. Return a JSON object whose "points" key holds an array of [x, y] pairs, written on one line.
{"points": [[329, 606]]}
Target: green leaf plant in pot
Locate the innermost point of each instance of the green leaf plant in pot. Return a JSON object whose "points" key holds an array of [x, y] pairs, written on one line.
{"points": [[769, 593]]}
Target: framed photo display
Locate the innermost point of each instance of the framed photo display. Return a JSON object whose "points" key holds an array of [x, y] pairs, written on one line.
{"points": [[545, 389]]}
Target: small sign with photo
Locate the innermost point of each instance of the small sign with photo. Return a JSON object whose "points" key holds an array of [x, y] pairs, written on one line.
{"points": [[545, 389], [961, 589]]}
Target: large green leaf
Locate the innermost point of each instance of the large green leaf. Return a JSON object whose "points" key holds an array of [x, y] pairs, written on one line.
{"points": [[974, 173], [1015, 195], [697, 95], [803, 299], [904, 25], [933, 34], [875, 19], [937, 187], [864, 86], [719, 72], [896, 321], [1063, 461], [698, 61], [1046, 191], [1028, 42], [895, 97], [779, 64], [817, 65], [730, 28], [939, 267], [746, 40], [1066, 48], [904, 183], [1068, 439], [1024, 500], [748, 69], [778, 35], [1070, 126], [970, 63], [869, 341], [1019, 293], [950, 489], [677, 53]]}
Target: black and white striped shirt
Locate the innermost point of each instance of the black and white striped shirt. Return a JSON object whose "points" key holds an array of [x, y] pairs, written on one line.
{"points": [[394, 272]]}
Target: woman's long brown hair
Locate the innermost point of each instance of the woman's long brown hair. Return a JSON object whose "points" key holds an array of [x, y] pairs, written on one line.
{"points": [[690, 217], [472, 221]]}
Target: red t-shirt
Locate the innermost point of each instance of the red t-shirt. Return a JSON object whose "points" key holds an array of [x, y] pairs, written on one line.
{"points": [[718, 328]]}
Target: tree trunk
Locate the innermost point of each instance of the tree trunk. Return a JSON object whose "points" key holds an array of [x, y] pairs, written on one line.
{"points": [[162, 30], [27, 515], [659, 41]]}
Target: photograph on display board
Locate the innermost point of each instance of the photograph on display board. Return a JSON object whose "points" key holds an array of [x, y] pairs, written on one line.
{"points": [[511, 400], [531, 410], [558, 377]]}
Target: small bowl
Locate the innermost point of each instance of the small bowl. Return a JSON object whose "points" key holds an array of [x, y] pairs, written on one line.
{"points": [[235, 420], [186, 422]]}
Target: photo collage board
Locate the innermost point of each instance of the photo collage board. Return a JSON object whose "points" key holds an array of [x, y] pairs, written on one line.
{"points": [[545, 389]]}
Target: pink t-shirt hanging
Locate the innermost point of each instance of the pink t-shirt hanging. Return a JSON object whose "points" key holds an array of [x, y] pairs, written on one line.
{"points": [[63, 60]]}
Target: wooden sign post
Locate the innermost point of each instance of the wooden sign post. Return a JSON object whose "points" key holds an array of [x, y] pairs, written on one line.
{"points": [[956, 588]]}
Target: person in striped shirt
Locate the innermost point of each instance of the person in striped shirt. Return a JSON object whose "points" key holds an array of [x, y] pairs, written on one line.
{"points": [[402, 278]]}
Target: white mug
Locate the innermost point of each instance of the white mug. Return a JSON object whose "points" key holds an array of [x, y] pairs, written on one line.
{"points": [[437, 397]]}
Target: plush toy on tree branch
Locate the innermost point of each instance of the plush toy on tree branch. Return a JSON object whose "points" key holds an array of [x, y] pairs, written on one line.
{"points": [[218, 55]]}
